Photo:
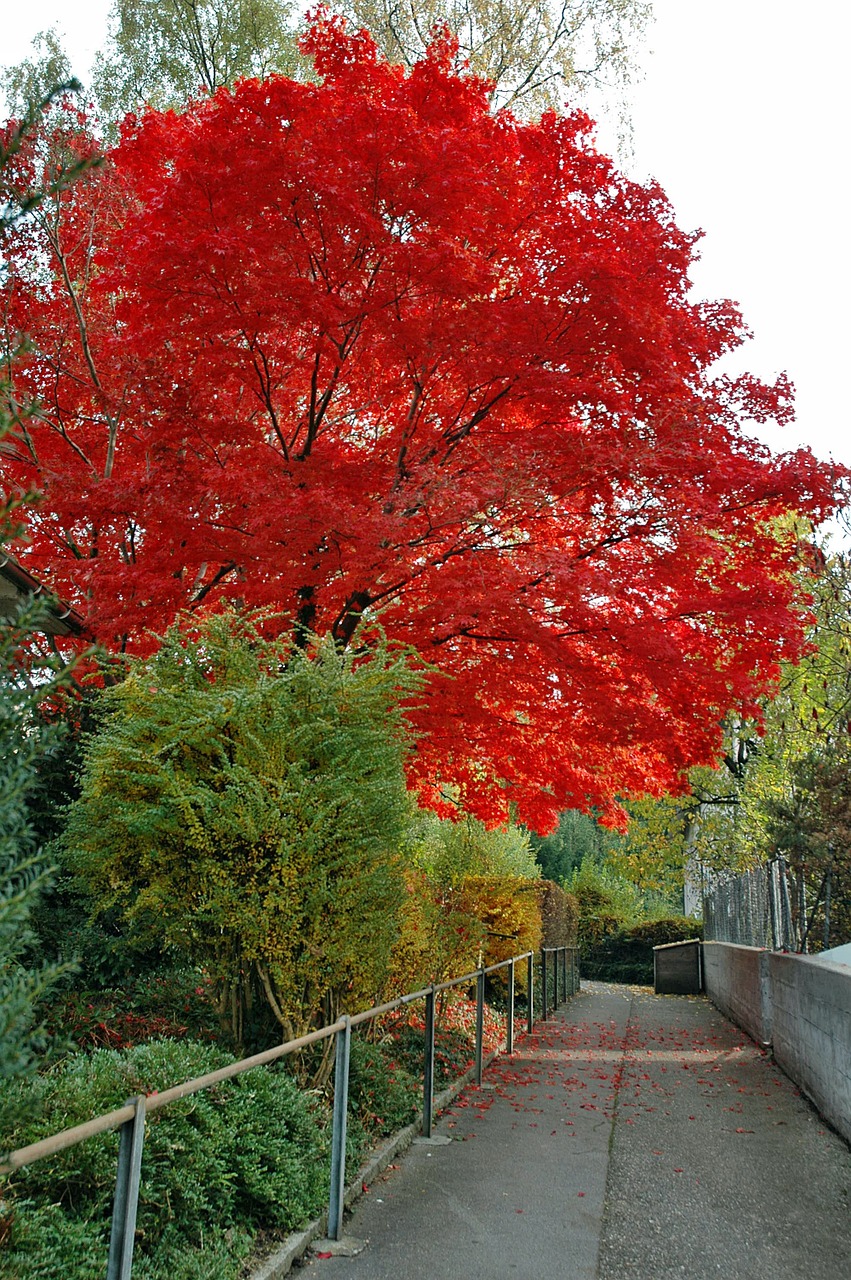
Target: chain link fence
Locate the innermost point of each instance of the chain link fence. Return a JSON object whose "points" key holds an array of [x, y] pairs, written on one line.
{"points": [[754, 909]]}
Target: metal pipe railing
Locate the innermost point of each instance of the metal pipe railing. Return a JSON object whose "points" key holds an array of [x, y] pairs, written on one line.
{"points": [[130, 1118]]}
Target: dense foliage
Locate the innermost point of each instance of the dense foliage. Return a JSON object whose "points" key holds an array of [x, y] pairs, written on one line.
{"points": [[472, 897], [626, 954], [327, 371], [781, 789], [28, 679], [245, 1152], [245, 801], [24, 871]]}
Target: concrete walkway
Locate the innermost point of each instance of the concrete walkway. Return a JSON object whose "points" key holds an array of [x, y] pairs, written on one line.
{"points": [[633, 1137]]}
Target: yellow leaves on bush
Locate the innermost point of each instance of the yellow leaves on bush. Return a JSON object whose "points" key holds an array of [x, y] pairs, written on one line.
{"points": [[445, 932]]}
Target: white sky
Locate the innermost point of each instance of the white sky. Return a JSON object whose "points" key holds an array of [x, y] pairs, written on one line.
{"points": [[743, 116]]}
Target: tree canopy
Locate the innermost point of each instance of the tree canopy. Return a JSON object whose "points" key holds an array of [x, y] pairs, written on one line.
{"points": [[528, 52], [163, 52], [366, 345]]}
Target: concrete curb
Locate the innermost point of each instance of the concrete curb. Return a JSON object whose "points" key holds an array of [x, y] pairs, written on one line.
{"points": [[278, 1264]]}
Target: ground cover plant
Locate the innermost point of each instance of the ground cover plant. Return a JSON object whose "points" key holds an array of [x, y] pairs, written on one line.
{"points": [[246, 1152]]}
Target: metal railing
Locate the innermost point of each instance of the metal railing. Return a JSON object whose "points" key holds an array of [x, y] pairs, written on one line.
{"points": [[130, 1119], [565, 965]]}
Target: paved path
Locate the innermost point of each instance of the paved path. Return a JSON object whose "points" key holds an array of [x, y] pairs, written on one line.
{"points": [[633, 1137]]}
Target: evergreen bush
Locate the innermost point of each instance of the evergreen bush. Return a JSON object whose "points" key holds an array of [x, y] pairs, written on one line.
{"points": [[247, 1152]]}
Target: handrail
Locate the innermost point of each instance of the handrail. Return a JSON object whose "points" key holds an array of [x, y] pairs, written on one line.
{"points": [[131, 1117], [155, 1102]]}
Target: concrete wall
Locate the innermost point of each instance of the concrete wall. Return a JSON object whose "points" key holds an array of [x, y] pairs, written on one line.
{"points": [[736, 979], [811, 1031], [798, 1005]]}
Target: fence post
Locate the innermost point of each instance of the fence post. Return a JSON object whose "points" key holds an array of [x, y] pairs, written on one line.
{"points": [[338, 1131], [428, 1065], [564, 990], [123, 1233], [480, 1022], [530, 982], [509, 1030], [543, 984]]}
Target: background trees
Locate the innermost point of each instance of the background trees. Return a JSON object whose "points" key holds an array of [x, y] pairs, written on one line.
{"points": [[163, 52], [529, 53], [791, 792]]}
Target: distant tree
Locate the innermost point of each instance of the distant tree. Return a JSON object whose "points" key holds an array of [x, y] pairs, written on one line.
{"points": [[578, 836], [163, 52], [533, 54], [28, 83]]}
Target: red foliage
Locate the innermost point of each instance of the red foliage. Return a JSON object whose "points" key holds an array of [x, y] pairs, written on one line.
{"points": [[364, 345]]}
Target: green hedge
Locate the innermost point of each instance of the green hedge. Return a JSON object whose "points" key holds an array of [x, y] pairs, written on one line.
{"points": [[246, 1152], [626, 955]]}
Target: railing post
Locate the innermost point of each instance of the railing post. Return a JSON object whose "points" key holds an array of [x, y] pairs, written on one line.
{"points": [[338, 1131], [480, 1022], [530, 982], [556, 976], [123, 1234], [564, 990], [428, 1064], [509, 1030], [543, 984]]}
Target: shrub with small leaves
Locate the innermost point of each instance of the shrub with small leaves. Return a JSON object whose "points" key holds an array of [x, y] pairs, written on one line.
{"points": [[247, 1152], [384, 1095]]}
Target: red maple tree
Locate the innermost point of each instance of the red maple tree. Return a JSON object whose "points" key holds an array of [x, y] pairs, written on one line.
{"points": [[365, 346]]}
